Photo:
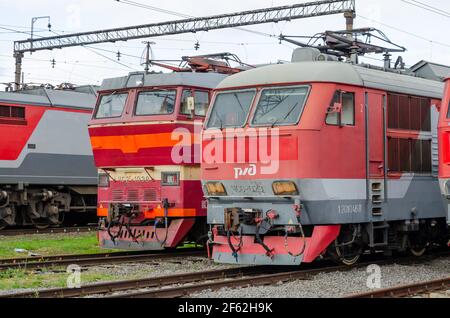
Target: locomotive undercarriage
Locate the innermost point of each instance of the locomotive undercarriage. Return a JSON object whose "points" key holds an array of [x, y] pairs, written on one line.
{"points": [[256, 227], [43, 207], [127, 228]]}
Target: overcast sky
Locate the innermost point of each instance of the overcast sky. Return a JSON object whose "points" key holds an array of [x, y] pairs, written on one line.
{"points": [[423, 33]]}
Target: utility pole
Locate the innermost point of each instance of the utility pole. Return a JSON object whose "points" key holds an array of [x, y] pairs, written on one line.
{"points": [[33, 21], [349, 21], [148, 55], [18, 56], [18, 72]]}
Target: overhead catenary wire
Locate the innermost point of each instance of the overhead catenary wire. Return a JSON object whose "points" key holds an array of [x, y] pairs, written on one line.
{"points": [[427, 7], [406, 32], [182, 15]]}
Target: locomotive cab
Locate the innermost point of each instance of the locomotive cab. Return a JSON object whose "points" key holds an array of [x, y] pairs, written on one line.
{"points": [[144, 134], [444, 147]]}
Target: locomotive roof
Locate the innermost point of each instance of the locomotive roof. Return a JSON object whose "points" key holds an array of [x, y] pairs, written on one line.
{"points": [[205, 80], [50, 97], [335, 72]]}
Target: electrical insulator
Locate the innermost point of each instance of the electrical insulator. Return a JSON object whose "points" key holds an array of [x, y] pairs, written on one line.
{"points": [[53, 63], [197, 46], [119, 55]]}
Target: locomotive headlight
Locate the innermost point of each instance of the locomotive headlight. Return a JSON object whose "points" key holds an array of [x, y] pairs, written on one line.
{"points": [[215, 189], [285, 188], [103, 180]]}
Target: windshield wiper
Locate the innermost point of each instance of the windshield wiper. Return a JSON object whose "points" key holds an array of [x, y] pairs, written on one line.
{"points": [[239, 102], [287, 115]]}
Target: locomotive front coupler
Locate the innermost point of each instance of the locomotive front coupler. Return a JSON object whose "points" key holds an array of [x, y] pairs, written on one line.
{"points": [[237, 217]]}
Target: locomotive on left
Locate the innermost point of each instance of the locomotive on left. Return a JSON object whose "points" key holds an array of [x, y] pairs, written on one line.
{"points": [[46, 165]]}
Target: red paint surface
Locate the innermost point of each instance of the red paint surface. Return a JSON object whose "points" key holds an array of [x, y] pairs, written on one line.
{"points": [[15, 137], [188, 196], [178, 229], [444, 135], [322, 237]]}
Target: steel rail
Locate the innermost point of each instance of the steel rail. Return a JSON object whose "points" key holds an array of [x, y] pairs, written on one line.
{"points": [[269, 279], [406, 290], [166, 286], [154, 282], [95, 259], [56, 230]]}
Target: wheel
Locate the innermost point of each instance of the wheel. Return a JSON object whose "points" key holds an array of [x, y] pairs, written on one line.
{"points": [[418, 245], [8, 217], [3, 225], [349, 255], [348, 249], [417, 251], [40, 224]]}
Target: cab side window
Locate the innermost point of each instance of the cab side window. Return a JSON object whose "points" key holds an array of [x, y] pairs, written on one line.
{"points": [[347, 116], [184, 104], [201, 102]]}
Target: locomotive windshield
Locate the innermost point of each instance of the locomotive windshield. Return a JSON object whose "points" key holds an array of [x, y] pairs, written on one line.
{"points": [[111, 106], [280, 106], [156, 103], [231, 109]]}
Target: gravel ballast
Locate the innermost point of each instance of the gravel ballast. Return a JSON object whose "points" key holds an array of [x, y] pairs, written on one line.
{"points": [[339, 284]]}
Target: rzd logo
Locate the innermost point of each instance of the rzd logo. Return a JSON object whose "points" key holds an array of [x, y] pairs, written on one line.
{"points": [[249, 171]]}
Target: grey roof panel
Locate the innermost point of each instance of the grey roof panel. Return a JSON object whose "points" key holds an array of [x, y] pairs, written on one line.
{"points": [[48, 97], [431, 70], [205, 80], [399, 83], [335, 72]]}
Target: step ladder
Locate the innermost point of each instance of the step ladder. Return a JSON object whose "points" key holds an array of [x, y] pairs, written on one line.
{"points": [[376, 197], [378, 234]]}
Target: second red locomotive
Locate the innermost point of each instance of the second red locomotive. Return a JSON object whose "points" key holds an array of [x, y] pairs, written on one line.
{"points": [[145, 135], [314, 159]]}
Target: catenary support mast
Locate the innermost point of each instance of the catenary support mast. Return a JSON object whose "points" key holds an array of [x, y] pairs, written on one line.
{"points": [[239, 19]]}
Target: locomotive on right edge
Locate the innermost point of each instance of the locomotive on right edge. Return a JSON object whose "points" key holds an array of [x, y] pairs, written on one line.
{"points": [[320, 158], [444, 147]]}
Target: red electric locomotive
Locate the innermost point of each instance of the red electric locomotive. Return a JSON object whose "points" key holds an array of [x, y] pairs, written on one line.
{"points": [[321, 158], [444, 147], [47, 172], [145, 136]]}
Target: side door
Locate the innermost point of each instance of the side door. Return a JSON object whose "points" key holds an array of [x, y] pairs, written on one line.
{"points": [[376, 151]]}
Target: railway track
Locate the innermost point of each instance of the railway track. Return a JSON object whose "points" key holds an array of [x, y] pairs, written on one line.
{"points": [[407, 290], [185, 284], [57, 230], [95, 259]]}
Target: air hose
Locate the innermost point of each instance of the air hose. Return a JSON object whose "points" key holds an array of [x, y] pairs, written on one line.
{"points": [[286, 244], [260, 241], [235, 249], [128, 227], [166, 223], [114, 236]]}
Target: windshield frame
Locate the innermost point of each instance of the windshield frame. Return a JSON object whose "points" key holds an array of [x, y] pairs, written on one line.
{"points": [[100, 98], [139, 92], [259, 96], [213, 104]]}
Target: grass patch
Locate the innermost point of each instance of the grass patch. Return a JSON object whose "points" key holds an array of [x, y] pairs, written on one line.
{"points": [[20, 279], [48, 245]]}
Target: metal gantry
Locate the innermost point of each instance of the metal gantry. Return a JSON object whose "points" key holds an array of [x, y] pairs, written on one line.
{"points": [[239, 19]]}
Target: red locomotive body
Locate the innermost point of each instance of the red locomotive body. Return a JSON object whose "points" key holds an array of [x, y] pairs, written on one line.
{"points": [[338, 159], [444, 147], [145, 137]]}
